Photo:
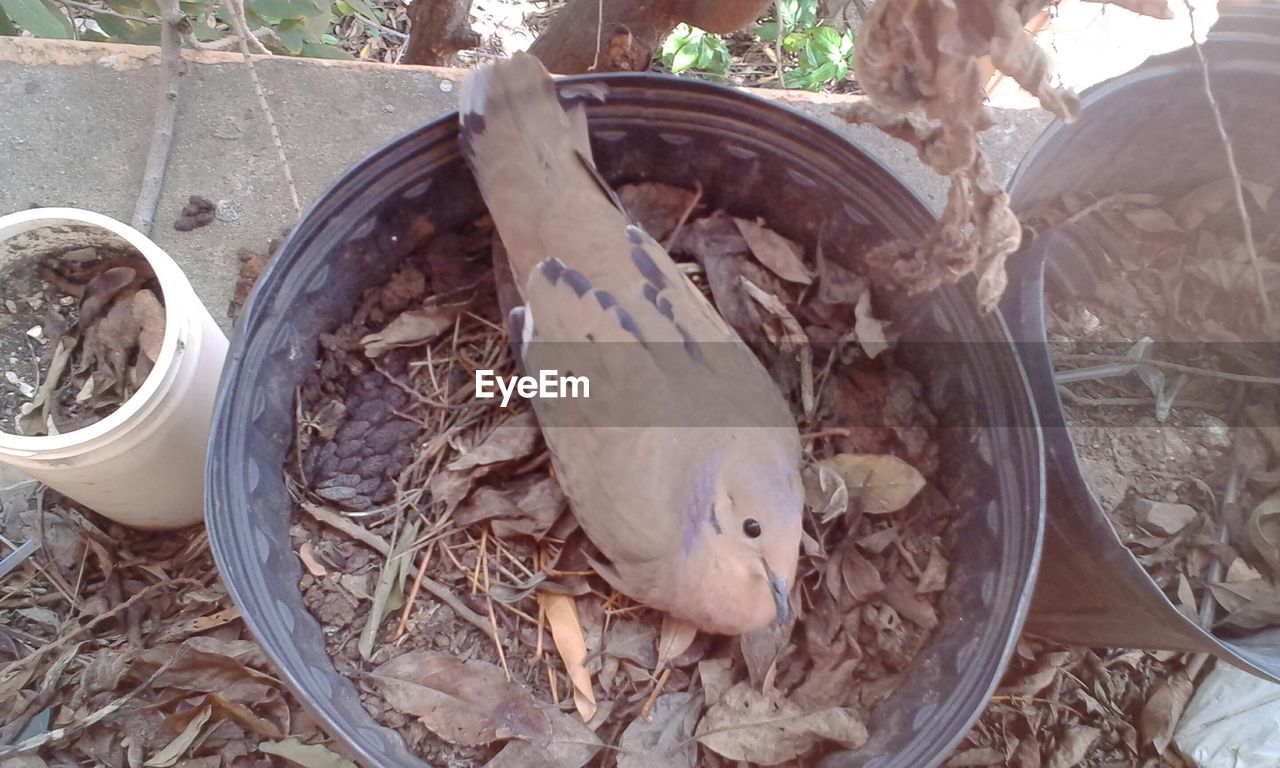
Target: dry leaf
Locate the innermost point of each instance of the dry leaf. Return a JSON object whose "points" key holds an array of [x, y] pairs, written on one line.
{"points": [[717, 678], [179, 746], [1250, 604], [566, 631], [1164, 517], [1208, 199], [462, 702], [663, 741], [412, 328], [825, 492], [307, 553], [783, 257], [859, 576], [570, 745], [514, 440], [978, 756], [882, 483], [1264, 532], [676, 637], [149, 313], [901, 596], [872, 334], [767, 729], [656, 206], [1163, 709], [1073, 747], [305, 755], [934, 578], [1152, 220]]}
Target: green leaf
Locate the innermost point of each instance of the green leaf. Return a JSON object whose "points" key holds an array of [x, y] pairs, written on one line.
{"points": [[705, 54], [39, 17], [366, 10], [7, 27], [325, 51], [795, 41], [685, 58], [767, 31], [826, 40], [292, 35], [285, 9]]}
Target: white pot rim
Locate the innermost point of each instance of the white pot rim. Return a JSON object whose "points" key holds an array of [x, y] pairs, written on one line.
{"points": [[173, 286]]}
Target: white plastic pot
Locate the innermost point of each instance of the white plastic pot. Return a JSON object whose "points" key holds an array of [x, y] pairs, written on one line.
{"points": [[143, 464]]}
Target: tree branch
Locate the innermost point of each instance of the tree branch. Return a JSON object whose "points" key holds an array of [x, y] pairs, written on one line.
{"points": [[173, 22]]}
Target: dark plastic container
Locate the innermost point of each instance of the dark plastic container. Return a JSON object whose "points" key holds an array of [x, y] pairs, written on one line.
{"points": [[752, 158], [1148, 130]]}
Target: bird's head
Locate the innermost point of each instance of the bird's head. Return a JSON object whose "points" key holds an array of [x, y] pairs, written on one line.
{"points": [[749, 536]]}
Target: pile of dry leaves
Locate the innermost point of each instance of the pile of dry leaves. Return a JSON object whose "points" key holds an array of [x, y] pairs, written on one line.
{"points": [[88, 325], [450, 576], [1191, 492], [120, 648]]}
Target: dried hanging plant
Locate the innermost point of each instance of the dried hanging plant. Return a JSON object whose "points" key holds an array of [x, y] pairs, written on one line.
{"points": [[925, 55]]}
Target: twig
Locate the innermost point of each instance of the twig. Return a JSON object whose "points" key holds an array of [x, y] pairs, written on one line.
{"points": [[95, 717], [236, 8], [777, 44], [223, 43], [1209, 372], [413, 590], [599, 32], [446, 596], [1237, 184], [144, 213], [357, 532], [144, 593], [151, 22], [684, 217]]}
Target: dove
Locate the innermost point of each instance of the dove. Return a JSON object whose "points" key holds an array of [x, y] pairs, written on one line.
{"points": [[683, 465]]}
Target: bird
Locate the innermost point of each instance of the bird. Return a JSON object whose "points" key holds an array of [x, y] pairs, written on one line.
{"points": [[682, 466]]}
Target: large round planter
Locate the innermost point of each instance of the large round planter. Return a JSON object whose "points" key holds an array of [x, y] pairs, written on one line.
{"points": [[752, 158], [1150, 130]]}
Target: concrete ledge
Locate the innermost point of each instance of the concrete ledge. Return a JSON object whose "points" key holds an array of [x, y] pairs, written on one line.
{"points": [[77, 125]]}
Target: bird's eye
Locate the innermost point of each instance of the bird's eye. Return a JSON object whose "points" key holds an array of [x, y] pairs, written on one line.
{"points": [[751, 527]]}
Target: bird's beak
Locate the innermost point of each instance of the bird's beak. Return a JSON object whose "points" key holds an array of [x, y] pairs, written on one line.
{"points": [[778, 586]]}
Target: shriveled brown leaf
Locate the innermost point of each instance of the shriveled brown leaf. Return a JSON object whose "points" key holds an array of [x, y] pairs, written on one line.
{"points": [[1209, 198], [882, 483], [872, 334], [1263, 528], [859, 577], [101, 291], [934, 578], [305, 755], [635, 641], [515, 439], [663, 740], [1074, 746], [1040, 677], [1163, 709], [570, 745], [761, 649], [1154, 220], [412, 328], [717, 678], [769, 730], [149, 313], [1250, 604], [674, 639], [525, 508], [225, 709], [571, 643], [825, 492], [175, 749], [901, 595], [976, 756], [307, 553], [463, 702], [782, 256], [1027, 754], [656, 206]]}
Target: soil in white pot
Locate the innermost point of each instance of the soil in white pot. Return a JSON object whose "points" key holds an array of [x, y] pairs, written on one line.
{"points": [[79, 333]]}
